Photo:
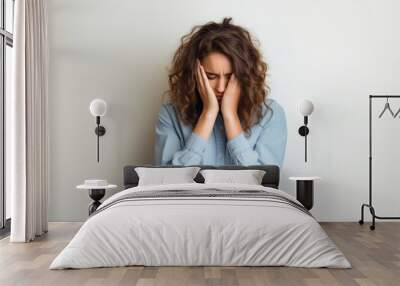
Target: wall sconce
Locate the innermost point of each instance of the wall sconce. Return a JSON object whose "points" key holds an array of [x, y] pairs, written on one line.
{"points": [[98, 108], [306, 107]]}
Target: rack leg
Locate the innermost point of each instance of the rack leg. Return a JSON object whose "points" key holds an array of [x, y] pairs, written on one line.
{"points": [[361, 221], [372, 210]]}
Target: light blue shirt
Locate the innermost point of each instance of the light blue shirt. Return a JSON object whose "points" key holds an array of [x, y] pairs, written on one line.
{"points": [[177, 144]]}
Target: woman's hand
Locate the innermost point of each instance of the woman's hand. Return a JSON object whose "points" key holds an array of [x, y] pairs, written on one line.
{"points": [[230, 100], [210, 102], [205, 123], [229, 108]]}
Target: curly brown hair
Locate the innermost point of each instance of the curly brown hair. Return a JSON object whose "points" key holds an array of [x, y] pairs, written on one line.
{"points": [[238, 45]]}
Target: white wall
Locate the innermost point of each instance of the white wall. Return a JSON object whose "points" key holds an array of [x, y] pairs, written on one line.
{"points": [[335, 53]]}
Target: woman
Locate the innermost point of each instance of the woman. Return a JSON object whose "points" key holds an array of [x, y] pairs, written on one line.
{"points": [[218, 112]]}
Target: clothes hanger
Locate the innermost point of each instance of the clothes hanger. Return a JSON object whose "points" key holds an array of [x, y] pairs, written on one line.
{"points": [[397, 113], [387, 107]]}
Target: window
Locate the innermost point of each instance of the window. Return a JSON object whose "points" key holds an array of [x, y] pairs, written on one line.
{"points": [[6, 60]]}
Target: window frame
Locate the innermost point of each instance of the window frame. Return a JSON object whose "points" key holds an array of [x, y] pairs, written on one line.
{"points": [[6, 39]]}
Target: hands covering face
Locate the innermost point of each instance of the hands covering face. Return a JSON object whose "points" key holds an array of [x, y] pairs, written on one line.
{"points": [[231, 95], [210, 102], [231, 98]]}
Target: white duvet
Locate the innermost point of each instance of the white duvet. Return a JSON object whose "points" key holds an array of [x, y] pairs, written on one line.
{"points": [[200, 231]]}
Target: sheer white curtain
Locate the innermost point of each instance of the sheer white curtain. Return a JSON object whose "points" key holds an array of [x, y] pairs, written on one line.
{"points": [[28, 123]]}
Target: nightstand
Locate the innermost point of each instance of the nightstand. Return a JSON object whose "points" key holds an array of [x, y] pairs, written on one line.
{"points": [[305, 190], [96, 193]]}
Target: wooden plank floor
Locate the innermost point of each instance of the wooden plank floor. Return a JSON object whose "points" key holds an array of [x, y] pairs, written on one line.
{"points": [[375, 257]]}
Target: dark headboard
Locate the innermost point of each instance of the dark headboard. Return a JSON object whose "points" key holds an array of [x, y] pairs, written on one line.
{"points": [[270, 179]]}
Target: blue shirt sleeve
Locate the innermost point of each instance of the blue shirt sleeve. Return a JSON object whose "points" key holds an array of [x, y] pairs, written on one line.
{"points": [[168, 145], [270, 146]]}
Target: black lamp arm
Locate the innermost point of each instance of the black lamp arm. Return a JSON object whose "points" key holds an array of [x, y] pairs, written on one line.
{"points": [[303, 131], [100, 131]]}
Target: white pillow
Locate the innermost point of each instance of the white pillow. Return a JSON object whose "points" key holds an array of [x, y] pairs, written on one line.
{"points": [[163, 176], [249, 177]]}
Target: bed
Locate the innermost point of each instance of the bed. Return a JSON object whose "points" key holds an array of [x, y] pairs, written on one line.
{"points": [[201, 224]]}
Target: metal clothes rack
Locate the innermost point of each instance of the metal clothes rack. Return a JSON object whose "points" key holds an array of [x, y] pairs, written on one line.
{"points": [[369, 205]]}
